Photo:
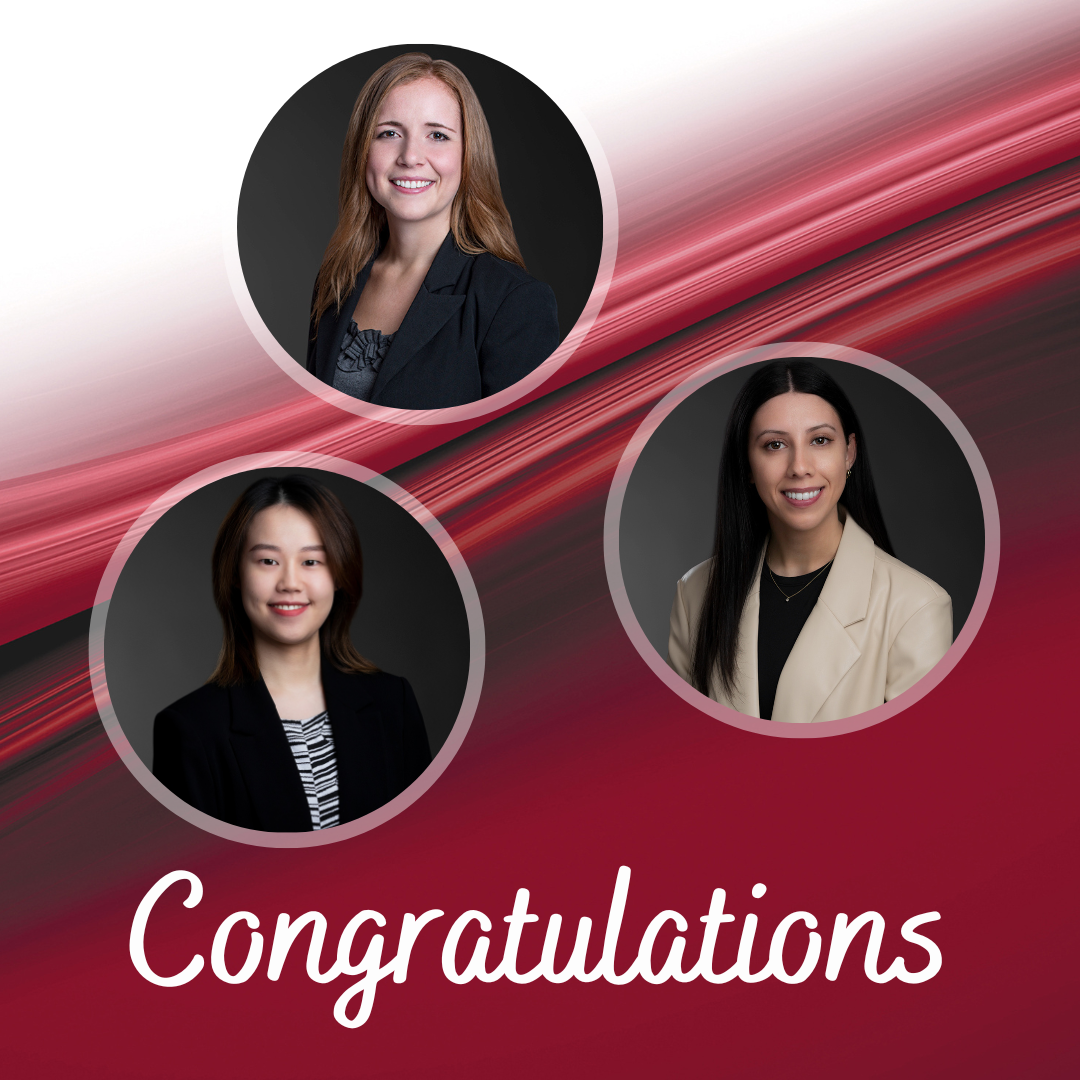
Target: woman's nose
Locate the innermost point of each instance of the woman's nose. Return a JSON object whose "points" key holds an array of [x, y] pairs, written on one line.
{"points": [[410, 153], [800, 462], [288, 580]]}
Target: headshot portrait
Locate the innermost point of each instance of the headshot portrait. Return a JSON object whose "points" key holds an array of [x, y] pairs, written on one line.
{"points": [[419, 227], [801, 540], [286, 650]]}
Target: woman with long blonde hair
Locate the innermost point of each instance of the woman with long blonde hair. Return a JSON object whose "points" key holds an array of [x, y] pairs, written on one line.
{"points": [[422, 300]]}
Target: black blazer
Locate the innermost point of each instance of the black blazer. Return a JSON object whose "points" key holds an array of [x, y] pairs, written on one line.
{"points": [[477, 325], [225, 752]]}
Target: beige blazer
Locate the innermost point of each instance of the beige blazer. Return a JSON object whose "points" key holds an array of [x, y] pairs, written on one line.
{"points": [[877, 628]]}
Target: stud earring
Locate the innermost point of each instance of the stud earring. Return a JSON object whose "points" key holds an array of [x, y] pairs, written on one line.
{"points": [[849, 472]]}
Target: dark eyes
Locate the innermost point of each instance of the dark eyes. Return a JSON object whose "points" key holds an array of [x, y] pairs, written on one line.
{"points": [[393, 133], [779, 444]]}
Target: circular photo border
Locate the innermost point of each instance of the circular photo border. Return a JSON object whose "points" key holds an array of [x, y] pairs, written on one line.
{"points": [[484, 406], [286, 459], [722, 366]]}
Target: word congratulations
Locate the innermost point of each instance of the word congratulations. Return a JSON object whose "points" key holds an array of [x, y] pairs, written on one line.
{"points": [[372, 968]]}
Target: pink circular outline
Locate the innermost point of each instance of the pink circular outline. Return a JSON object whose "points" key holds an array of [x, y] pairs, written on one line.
{"points": [[249, 463], [730, 362], [409, 417]]}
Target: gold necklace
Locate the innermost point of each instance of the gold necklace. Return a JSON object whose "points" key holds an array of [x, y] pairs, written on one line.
{"points": [[800, 589]]}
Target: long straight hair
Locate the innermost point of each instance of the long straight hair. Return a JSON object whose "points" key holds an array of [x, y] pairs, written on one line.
{"points": [[742, 525], [479, 219], [237, 662]]}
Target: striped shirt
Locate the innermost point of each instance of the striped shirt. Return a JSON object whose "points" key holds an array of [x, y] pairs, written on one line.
{"points": [[312, 744]]}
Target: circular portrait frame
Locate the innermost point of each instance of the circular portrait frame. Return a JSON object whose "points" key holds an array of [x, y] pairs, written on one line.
{"points": [[298, 460], [483, 406], [810, 350]]}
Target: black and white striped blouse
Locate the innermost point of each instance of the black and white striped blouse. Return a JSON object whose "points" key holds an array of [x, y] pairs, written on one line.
{"points": [[312, 744]]}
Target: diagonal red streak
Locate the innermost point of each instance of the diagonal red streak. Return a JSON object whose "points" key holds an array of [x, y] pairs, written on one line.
{"points": [[496, 487], [855, 201]]}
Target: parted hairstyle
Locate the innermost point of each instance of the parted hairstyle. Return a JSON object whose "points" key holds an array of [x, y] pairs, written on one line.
{"points": [[742, 525], [479, 219], [237, 662]]}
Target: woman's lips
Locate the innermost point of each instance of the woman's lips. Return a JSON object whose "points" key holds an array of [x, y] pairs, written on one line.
{"points": [[288, 610], [803, 496]]}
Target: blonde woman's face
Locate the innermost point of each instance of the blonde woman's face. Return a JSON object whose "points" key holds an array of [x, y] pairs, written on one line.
{"points": [[285, 582], [414, 162], [799, 459]]}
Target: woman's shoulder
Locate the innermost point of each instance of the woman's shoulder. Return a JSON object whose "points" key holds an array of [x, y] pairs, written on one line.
{"points": [[208, 701], [499, 278], [693, 583], [380, 686], [375, 680], [905, 583], [494, 267]]}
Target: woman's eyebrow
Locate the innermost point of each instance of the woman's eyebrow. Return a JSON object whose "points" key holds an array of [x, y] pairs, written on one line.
{"points": [[430, 124], [777, 431], [274, 547]]}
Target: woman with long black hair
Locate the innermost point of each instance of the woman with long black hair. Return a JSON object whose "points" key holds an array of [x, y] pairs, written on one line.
{"points": [[803, 614]]}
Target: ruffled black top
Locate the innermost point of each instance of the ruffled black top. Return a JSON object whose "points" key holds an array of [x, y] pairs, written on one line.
{"points": [[358, 363]]}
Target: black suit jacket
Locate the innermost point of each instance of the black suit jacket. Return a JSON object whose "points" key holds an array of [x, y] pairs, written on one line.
{"points": [[477, 325], [225, 752]]}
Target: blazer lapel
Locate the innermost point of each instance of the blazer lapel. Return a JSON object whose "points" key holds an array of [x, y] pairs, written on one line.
{"points": [[427, 315], [358, 743], [824, 651], [822, 656], [266, 761]]}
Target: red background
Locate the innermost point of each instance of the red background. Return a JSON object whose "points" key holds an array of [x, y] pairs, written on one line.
{"points": [[578, 760]]}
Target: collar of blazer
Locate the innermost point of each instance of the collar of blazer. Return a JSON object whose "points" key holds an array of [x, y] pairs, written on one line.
{"points": [[824, 651], [429, 312], [427, 315], [266, 760]]}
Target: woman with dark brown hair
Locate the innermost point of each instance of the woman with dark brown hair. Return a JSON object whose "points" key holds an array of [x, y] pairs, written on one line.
{"points": [[422, 300], [295, 729]]}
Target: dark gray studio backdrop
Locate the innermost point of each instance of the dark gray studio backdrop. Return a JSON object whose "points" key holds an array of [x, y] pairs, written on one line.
{"points": [[163, 632], [927, 493], [289, 198]]}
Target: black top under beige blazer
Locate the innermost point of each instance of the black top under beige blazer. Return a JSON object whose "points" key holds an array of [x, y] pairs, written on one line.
{"points": [[877, 628], [477, 325], [225, 752]]}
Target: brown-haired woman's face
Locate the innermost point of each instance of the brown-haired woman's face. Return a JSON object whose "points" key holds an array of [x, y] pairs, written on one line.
{"points": [[414, 161], [799, 459], [285, 581]]}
